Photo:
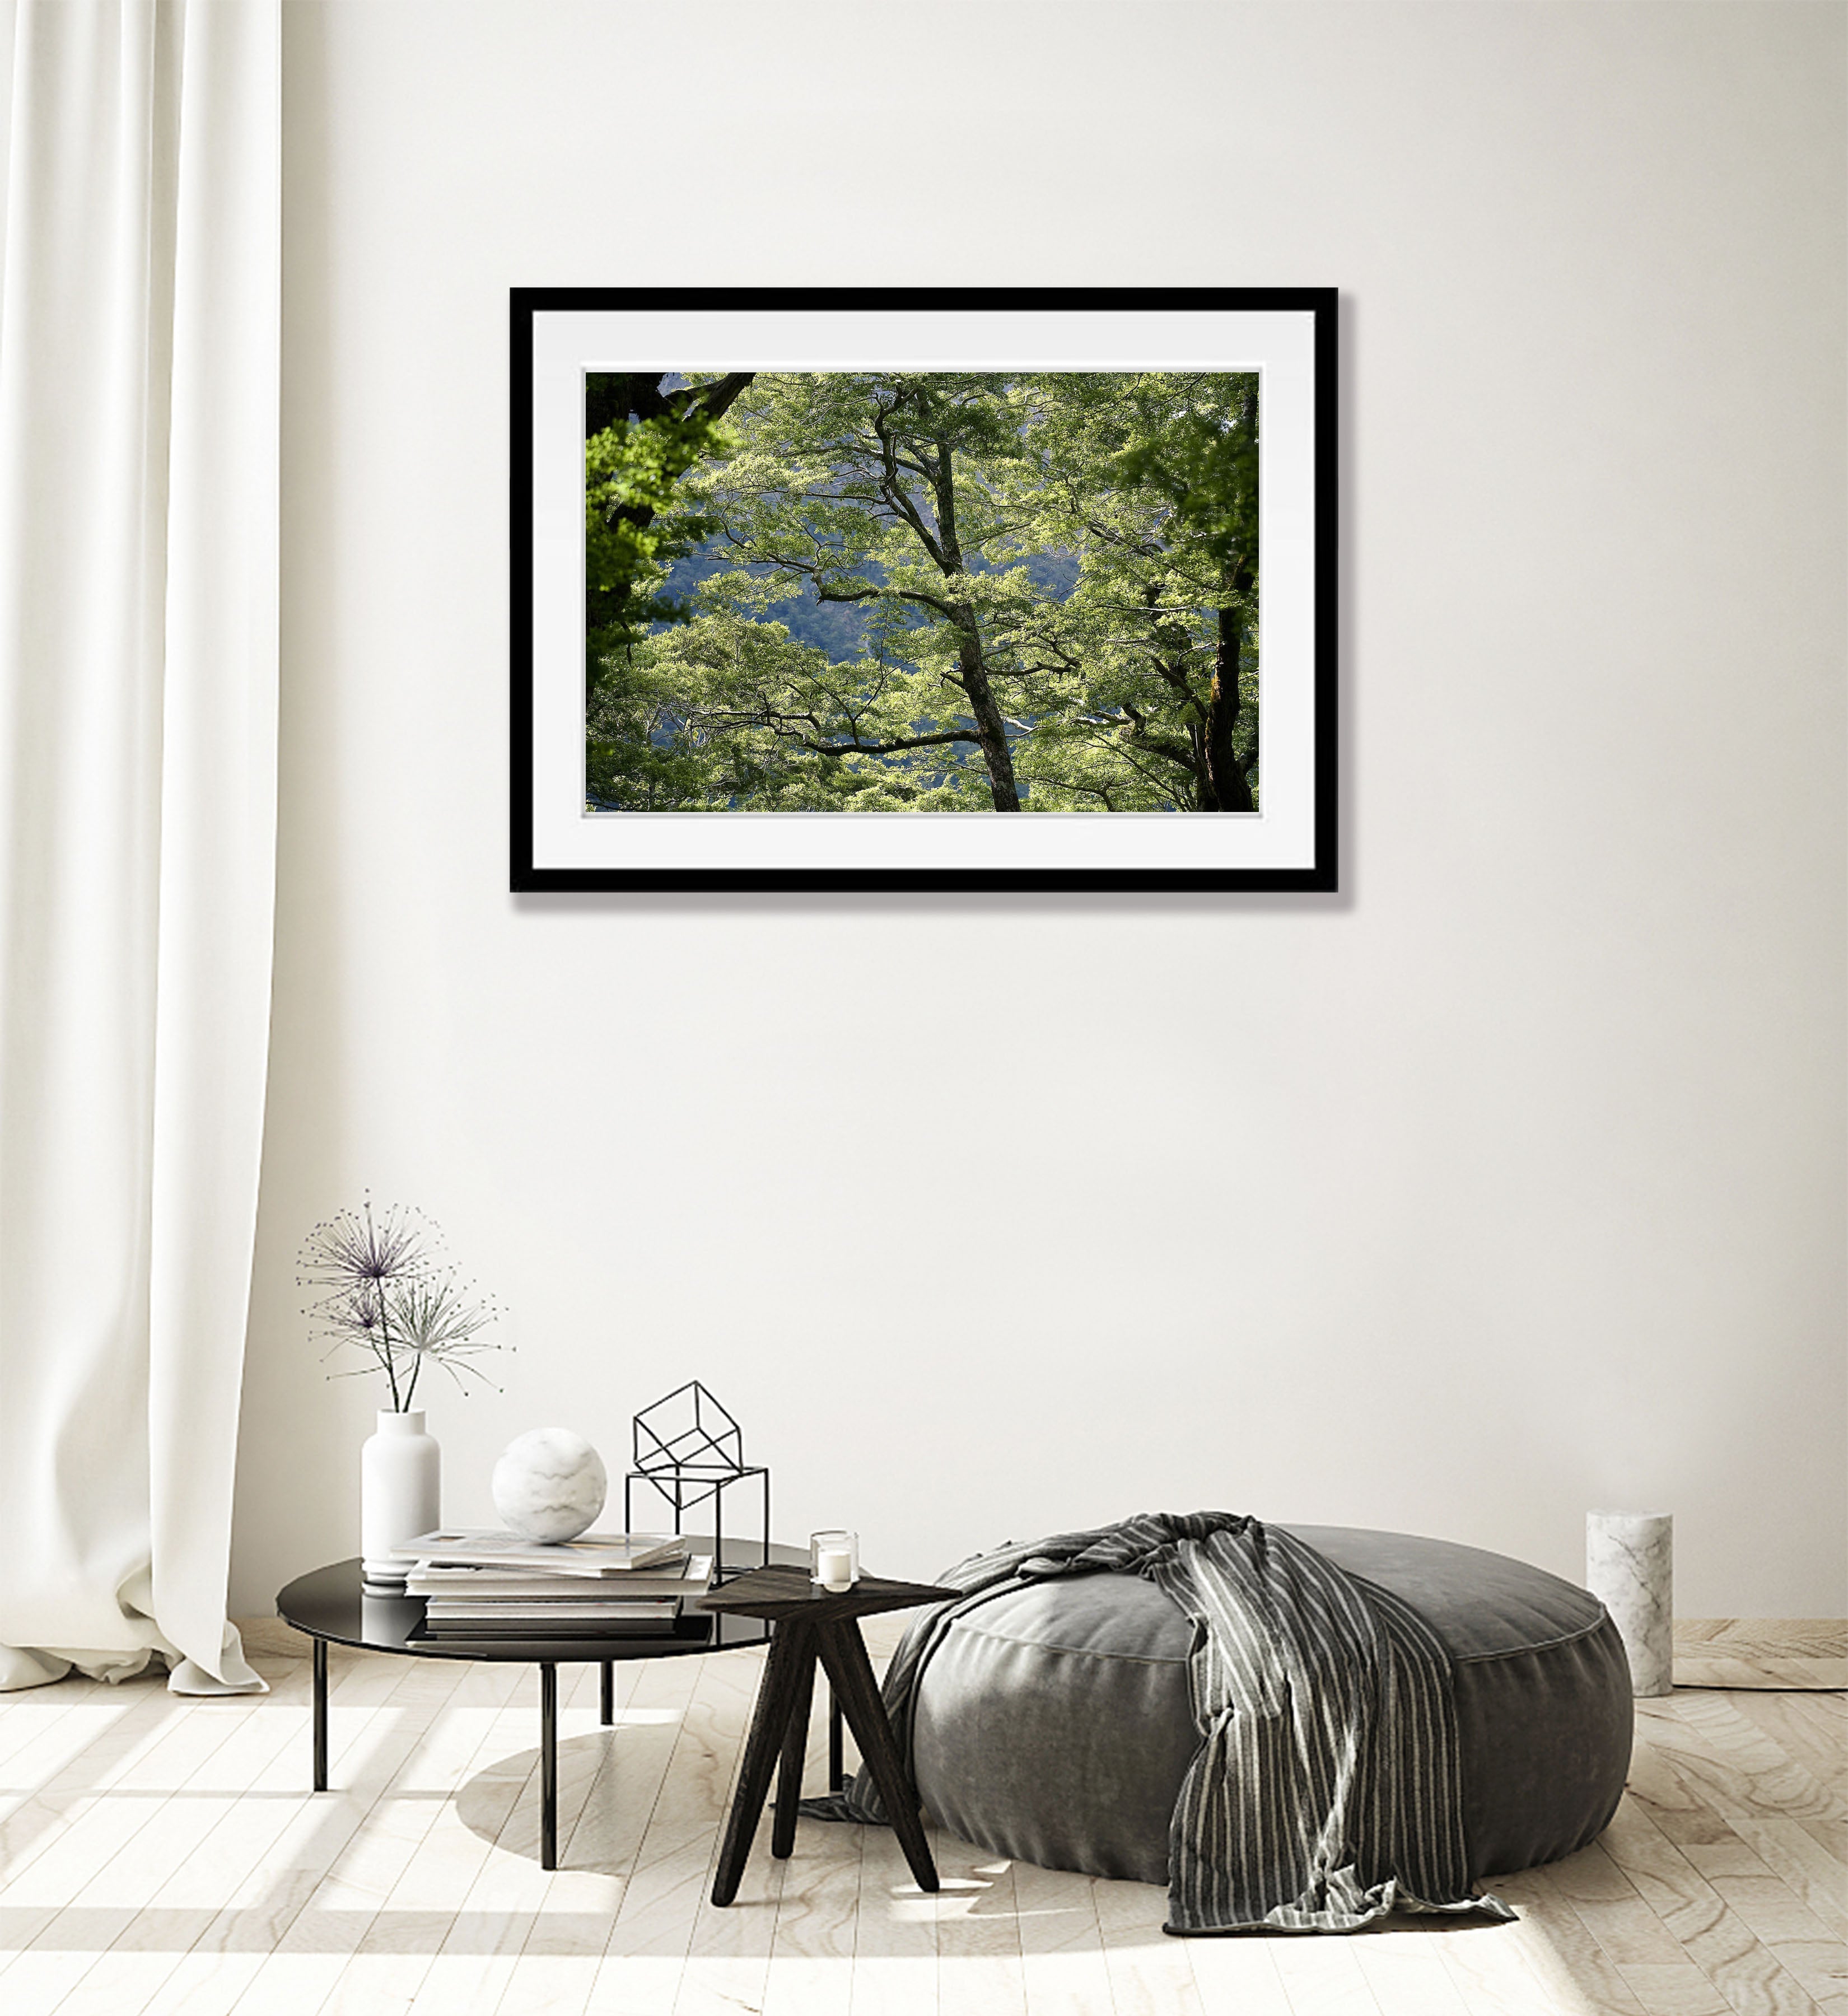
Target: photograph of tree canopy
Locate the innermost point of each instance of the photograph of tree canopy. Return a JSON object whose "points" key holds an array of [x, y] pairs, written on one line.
{"points": [[852, 590]]}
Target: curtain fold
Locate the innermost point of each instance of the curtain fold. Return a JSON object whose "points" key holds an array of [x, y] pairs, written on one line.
{"points": [[140, 410]]}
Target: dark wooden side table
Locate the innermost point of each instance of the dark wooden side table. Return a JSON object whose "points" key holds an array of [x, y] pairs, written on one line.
{"points": [[811, 1624]]}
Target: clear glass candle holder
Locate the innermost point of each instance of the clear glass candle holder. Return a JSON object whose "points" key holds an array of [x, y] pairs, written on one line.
{"points": [[834, 1559]]}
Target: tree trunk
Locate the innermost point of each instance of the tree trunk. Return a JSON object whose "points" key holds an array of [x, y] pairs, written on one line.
{"points": [[989, 724], [974, 671], [1230, 788], [1204, 800]]}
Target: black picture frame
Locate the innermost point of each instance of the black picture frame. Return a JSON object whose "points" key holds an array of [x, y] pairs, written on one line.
{"points": [[550, 325]]}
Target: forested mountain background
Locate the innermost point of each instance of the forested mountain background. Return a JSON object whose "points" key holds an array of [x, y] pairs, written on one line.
{"points": [[928, 591]]}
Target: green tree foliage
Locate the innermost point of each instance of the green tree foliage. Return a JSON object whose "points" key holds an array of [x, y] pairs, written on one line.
{"points": [[1057, 574], [1154, 477], [639, 440]]}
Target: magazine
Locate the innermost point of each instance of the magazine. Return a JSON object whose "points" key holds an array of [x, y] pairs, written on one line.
{"points": [[590, 1553], [484, 1580], [635, 1620], [536, 1618]]}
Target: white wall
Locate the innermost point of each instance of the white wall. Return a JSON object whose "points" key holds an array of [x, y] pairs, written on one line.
{"points": [[1509, 1183]]}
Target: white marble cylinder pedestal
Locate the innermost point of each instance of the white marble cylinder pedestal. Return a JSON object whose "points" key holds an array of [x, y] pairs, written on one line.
{"points": [[1630, 1567]]}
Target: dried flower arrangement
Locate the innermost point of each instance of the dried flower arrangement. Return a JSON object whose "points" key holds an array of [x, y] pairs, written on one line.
{"points": [[387, 1290]]}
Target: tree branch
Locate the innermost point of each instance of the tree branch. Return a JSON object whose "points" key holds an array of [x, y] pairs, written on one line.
{"points": [[1135, 731], [884, 748], [714, 398], [894, 491], [870, 594]]}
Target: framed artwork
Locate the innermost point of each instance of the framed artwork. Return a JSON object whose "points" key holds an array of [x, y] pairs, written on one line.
{"points": [[943, 589]]}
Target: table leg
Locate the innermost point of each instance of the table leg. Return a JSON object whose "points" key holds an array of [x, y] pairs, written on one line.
{"points": [[837, 1763], [320, 1715], [606, 1710], [547, 1764], [791, 1659], [789, 1776], [850, 1673]]}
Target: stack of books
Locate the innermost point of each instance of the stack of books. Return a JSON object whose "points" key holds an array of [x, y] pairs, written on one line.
{"points": [[489, 1585]]}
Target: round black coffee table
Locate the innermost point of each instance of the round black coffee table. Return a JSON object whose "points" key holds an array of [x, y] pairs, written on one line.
{"points": [[331, 1606]]}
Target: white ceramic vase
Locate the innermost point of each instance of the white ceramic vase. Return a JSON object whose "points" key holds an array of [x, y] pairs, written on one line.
{"points": [[400, 1471]]}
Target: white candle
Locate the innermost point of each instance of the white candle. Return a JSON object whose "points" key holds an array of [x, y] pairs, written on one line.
{"points": [[836, 1565]]}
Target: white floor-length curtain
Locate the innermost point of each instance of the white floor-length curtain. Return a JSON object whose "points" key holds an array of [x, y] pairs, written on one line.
{"points": [[139, 402]]}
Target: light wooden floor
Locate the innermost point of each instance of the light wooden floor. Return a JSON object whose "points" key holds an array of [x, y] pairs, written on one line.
{"points": [[164, 1856]]}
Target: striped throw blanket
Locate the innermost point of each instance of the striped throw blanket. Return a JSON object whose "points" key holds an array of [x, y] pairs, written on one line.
{"points": [[1327, 1789]]}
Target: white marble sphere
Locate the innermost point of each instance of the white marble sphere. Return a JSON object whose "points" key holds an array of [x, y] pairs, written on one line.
{"points": [[549, 1484]]}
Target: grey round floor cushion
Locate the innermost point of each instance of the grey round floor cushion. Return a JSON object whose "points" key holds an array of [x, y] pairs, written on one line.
{"points": [[1053, 1724]]}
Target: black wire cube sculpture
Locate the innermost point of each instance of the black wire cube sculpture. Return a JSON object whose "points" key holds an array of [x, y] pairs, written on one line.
{"points": [[688, 1448]]}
